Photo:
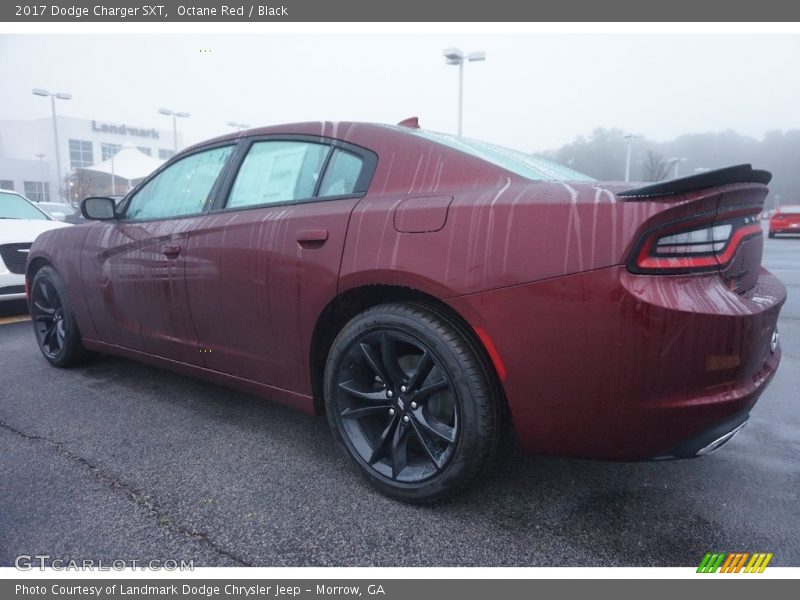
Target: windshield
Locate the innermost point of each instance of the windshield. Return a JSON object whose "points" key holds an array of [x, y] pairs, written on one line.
{"points": [[789, 210], [524, 165], [16, 207]]}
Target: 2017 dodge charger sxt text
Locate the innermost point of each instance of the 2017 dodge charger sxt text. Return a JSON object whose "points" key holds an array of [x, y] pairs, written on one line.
{"points": [[419, 287]]}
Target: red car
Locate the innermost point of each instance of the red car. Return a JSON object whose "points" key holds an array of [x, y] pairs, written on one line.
{"points": [[424, 290], [785, 219]]}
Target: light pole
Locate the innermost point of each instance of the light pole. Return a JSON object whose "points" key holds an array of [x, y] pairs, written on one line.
{"points": [[41, 157], [455, 56], [676, 161], [629, 137], [113, 176], [53, 96], [237, 126], [175, 116]]}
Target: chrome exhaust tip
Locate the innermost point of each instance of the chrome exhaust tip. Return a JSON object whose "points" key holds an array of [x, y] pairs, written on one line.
{"points": [[720, 441]]}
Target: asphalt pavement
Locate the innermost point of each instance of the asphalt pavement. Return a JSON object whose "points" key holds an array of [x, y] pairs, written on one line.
{"points": [[121, 460]]}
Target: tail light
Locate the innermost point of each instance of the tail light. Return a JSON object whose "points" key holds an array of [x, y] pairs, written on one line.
{"points": [[695, 245]]}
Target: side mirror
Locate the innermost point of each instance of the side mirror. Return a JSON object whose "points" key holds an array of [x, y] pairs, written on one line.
{"points": [[98, 208], [58, 216]]}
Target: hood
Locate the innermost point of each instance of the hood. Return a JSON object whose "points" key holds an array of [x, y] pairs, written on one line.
{"points": [[24, 231]]}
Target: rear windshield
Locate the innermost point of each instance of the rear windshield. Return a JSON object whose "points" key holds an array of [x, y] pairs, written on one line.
{"points": [[52, 207], [16, 207], [789, 210], [524, 165]]}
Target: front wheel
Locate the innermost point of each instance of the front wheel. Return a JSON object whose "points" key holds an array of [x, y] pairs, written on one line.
{"points": [[412, 401], [53, 322]]}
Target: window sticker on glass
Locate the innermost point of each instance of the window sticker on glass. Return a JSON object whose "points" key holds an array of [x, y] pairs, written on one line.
{"points": [[274, 172]]}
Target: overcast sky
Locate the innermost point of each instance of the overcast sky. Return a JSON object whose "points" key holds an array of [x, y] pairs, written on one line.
{"points": [[534, 92]]}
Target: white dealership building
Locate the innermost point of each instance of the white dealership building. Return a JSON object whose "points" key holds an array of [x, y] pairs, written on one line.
{"points": [[28, 159]]}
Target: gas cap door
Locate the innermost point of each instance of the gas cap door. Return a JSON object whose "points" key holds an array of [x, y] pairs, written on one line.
{"points": [[421, 214]]}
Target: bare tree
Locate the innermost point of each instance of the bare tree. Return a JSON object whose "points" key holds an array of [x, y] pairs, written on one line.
{"points": [[602, 155], [654, 167], [81, 184]]}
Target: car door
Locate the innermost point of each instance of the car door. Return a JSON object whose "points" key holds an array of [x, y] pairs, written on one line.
{"points": [[262, 266], [134, 267]]}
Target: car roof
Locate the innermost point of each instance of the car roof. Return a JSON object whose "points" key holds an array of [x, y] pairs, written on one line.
{"points": [[12, 192], [374, 136], [333, 129]]}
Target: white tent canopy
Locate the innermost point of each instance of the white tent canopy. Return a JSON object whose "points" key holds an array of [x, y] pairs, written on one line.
{"points": [[128, 163]]}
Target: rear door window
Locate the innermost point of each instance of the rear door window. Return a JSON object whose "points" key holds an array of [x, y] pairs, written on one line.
{"points": [[341, 175], [278, 171]]}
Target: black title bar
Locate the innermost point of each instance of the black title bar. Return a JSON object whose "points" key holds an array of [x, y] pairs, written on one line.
{"points": [[400, 11]]}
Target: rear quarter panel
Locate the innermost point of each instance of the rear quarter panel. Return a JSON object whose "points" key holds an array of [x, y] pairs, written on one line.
{"points": [[504, 232]]}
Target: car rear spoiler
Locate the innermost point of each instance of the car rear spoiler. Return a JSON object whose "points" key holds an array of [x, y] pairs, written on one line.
{"points": [[717, 177]]}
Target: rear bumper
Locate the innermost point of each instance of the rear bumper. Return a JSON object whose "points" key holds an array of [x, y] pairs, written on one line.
{"points": [[611, 365], [8, 297], [710, 440]]}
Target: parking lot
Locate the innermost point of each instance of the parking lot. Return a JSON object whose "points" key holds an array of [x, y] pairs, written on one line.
{"points": [[120, 460]]}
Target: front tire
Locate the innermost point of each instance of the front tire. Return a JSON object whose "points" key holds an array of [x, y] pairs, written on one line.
{"points": [[54, 323], [412, 401], [771, 234]]}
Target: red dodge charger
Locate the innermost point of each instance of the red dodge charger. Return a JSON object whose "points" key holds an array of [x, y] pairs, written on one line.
{"points": [[425, 290]]}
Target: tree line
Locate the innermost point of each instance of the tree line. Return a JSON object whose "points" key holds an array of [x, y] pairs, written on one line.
{"points": [[603, 155]]}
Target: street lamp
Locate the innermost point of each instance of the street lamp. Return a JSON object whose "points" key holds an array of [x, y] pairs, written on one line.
{"points": [[53, 96], [41, 156], [676, 161], [454, 56], [113, 176], [629, 137], [175, 116], [237, 126]]}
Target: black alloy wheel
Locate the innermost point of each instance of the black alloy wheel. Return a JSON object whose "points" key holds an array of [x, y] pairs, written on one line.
{"points": [[54, 324], [412, 401], [47, 312], [397, 406]]}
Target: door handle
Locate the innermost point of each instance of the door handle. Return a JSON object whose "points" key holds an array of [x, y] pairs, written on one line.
{"points": [[312, 238], [171, 250]]}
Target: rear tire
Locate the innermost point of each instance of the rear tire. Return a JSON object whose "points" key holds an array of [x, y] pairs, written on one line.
{"points": [[54, 323], [412, 402]]}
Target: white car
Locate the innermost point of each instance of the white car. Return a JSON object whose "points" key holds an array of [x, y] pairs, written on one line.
{"points": [[61, 212], [21, 222]]}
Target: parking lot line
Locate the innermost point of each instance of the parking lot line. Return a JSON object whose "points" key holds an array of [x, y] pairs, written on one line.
{"points": [[16, 319]]}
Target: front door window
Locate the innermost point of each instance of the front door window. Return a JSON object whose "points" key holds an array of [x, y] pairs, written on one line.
{"points": [[182, 189]]}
